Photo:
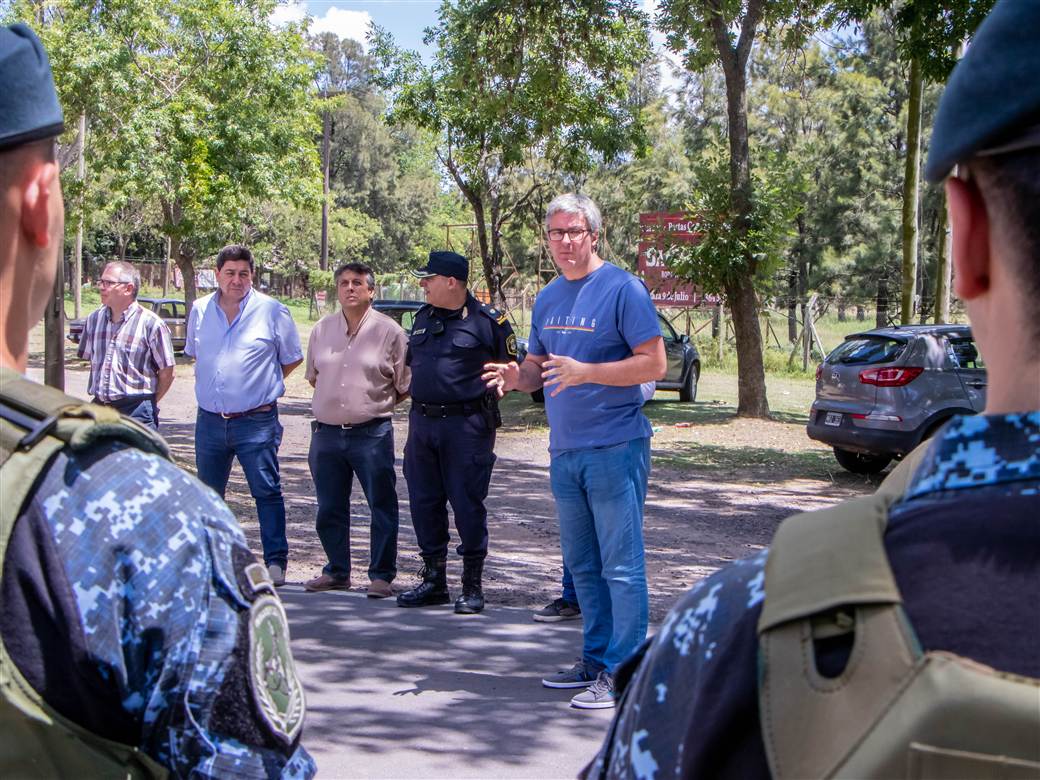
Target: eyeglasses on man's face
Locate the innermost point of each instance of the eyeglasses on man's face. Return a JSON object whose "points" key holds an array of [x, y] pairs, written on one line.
{"points": [[574, 234], [104, 284]]}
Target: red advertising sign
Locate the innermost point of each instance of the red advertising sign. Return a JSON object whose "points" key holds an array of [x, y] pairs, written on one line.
{"points": [[660, 234]]}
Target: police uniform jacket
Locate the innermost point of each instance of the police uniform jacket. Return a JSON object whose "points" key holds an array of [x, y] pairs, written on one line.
{"points": [[447, 350]]}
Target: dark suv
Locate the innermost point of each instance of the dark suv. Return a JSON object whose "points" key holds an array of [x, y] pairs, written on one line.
{"points": [[882, 392]]}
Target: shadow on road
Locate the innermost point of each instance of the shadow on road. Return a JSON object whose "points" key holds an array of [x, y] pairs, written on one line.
{"points": [[427, 693]]}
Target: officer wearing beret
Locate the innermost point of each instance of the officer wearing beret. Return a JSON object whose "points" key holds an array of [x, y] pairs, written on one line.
{"points": [[451, 432], [138, 637], [895, 635]]}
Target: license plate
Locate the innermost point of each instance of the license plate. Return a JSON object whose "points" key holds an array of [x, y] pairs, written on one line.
{"points": [[832, 418]]}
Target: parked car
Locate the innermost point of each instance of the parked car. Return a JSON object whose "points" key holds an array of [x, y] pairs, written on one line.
{"points": [[402, 311], [882, 392], [684, 363], [170, 309]]}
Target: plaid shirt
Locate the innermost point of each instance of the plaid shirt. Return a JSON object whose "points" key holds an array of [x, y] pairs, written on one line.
{"points": [[126, 356]]}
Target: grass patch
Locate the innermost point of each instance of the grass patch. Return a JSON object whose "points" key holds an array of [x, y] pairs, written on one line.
{"points": [[773, 463]]}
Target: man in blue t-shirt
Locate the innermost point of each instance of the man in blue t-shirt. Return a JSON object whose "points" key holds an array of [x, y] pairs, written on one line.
{"points": [[594, 340]]}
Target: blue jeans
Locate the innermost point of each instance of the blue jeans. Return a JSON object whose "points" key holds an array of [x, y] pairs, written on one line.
{"points": [[254, 440], [139, 407], [335, 456], [599, 495], [567, 592]]}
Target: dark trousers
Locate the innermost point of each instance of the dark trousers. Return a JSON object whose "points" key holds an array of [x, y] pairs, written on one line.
{"points": [[449, 460], [138, 407], [254, 440], [336, 456]]}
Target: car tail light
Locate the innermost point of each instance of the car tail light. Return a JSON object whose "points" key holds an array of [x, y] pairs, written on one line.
{"points": [[878, 417], [890, 377], [819, 371]]}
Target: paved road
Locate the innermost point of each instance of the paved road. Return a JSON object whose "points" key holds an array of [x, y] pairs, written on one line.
{"points": [[425, 693]]}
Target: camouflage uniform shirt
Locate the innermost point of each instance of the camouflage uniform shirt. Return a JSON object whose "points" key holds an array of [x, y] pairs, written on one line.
{"points": [[964, 546], [122, 603]]}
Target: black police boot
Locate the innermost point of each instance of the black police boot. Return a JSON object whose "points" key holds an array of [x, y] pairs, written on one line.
{"points": [[472, 599], [432, 590]]}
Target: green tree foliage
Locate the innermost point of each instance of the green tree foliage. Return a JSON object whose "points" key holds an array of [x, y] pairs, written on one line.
{"points": [[514, 81], [930, 33], [387, 173], [196, 105], [723, 32]]}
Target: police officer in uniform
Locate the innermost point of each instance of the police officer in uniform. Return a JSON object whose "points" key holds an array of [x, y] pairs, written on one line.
{"points": [[138, 636], [896, 634], [451, 432]]}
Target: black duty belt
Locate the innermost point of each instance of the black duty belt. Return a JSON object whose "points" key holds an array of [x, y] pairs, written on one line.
{"points": [[352, 426], [448, 410]]}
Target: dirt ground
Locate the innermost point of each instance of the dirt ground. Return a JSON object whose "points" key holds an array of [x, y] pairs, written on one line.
{"points": [[718, 488]]}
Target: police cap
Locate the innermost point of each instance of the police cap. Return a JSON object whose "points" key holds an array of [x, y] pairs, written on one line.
{"points": [[29, 109], [992, 100], [444, 264]]}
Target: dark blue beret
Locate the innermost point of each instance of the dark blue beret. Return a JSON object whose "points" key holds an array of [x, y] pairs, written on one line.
{"points": [[444, 264], [992, 99], [29, 107]]}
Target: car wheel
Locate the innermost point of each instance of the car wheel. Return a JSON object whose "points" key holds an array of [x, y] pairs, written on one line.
{"points": [[688, 391], [859, 463], [538, 396]]}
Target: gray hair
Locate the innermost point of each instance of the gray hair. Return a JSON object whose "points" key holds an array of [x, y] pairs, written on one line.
{"points": [[127, 273], [572, 203]]}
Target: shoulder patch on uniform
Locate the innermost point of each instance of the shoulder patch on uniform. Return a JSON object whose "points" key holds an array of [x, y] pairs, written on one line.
{"points": [[511, 344], [276, 687], [497, 315]]}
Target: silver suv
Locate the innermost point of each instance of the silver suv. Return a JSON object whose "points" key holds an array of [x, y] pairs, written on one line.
{"points": [[882, 392]]}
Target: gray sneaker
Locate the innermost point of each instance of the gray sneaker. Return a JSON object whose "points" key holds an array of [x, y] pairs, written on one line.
{"points": [[578, 676], [599, 695], [557, 611]]}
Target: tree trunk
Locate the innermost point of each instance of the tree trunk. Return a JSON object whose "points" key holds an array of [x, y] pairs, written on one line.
{"points": [[861, 313], [186, 263], [792, 304], [751, 375], [740, 290], [881, 319], [842, 311], [942, 268], [911, 192]]}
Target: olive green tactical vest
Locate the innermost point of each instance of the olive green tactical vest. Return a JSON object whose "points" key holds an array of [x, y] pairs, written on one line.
{"points": [[36, 422], [895, 711]]}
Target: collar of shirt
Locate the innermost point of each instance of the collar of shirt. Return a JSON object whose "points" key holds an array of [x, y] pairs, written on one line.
{"points": [[346, 323], [980, 451], [128, 312], [242, 305]]}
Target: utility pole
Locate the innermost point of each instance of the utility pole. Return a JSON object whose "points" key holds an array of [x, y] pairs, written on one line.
{"points": [[326, 138], [54, 331], [81, 174]]}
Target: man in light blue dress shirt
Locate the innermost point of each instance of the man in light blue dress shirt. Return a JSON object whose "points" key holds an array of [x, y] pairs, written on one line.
{"points": [[244, 344]]}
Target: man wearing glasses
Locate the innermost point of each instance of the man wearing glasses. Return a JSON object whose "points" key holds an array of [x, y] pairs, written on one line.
{"points": [[594, 340], [129, 348], [451, 430]]}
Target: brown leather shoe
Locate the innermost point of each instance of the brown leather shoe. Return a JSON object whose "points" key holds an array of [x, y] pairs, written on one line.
{"points": [[326, 582], [379, 589]]}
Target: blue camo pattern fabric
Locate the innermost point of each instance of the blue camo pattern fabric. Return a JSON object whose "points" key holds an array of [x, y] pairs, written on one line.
{"points": [[647, 738], [160, 626]]}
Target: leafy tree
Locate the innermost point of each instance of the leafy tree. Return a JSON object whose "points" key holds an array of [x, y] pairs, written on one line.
{"points": [[706, 32], [515, 81], [196, 105], [931, 31]]}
